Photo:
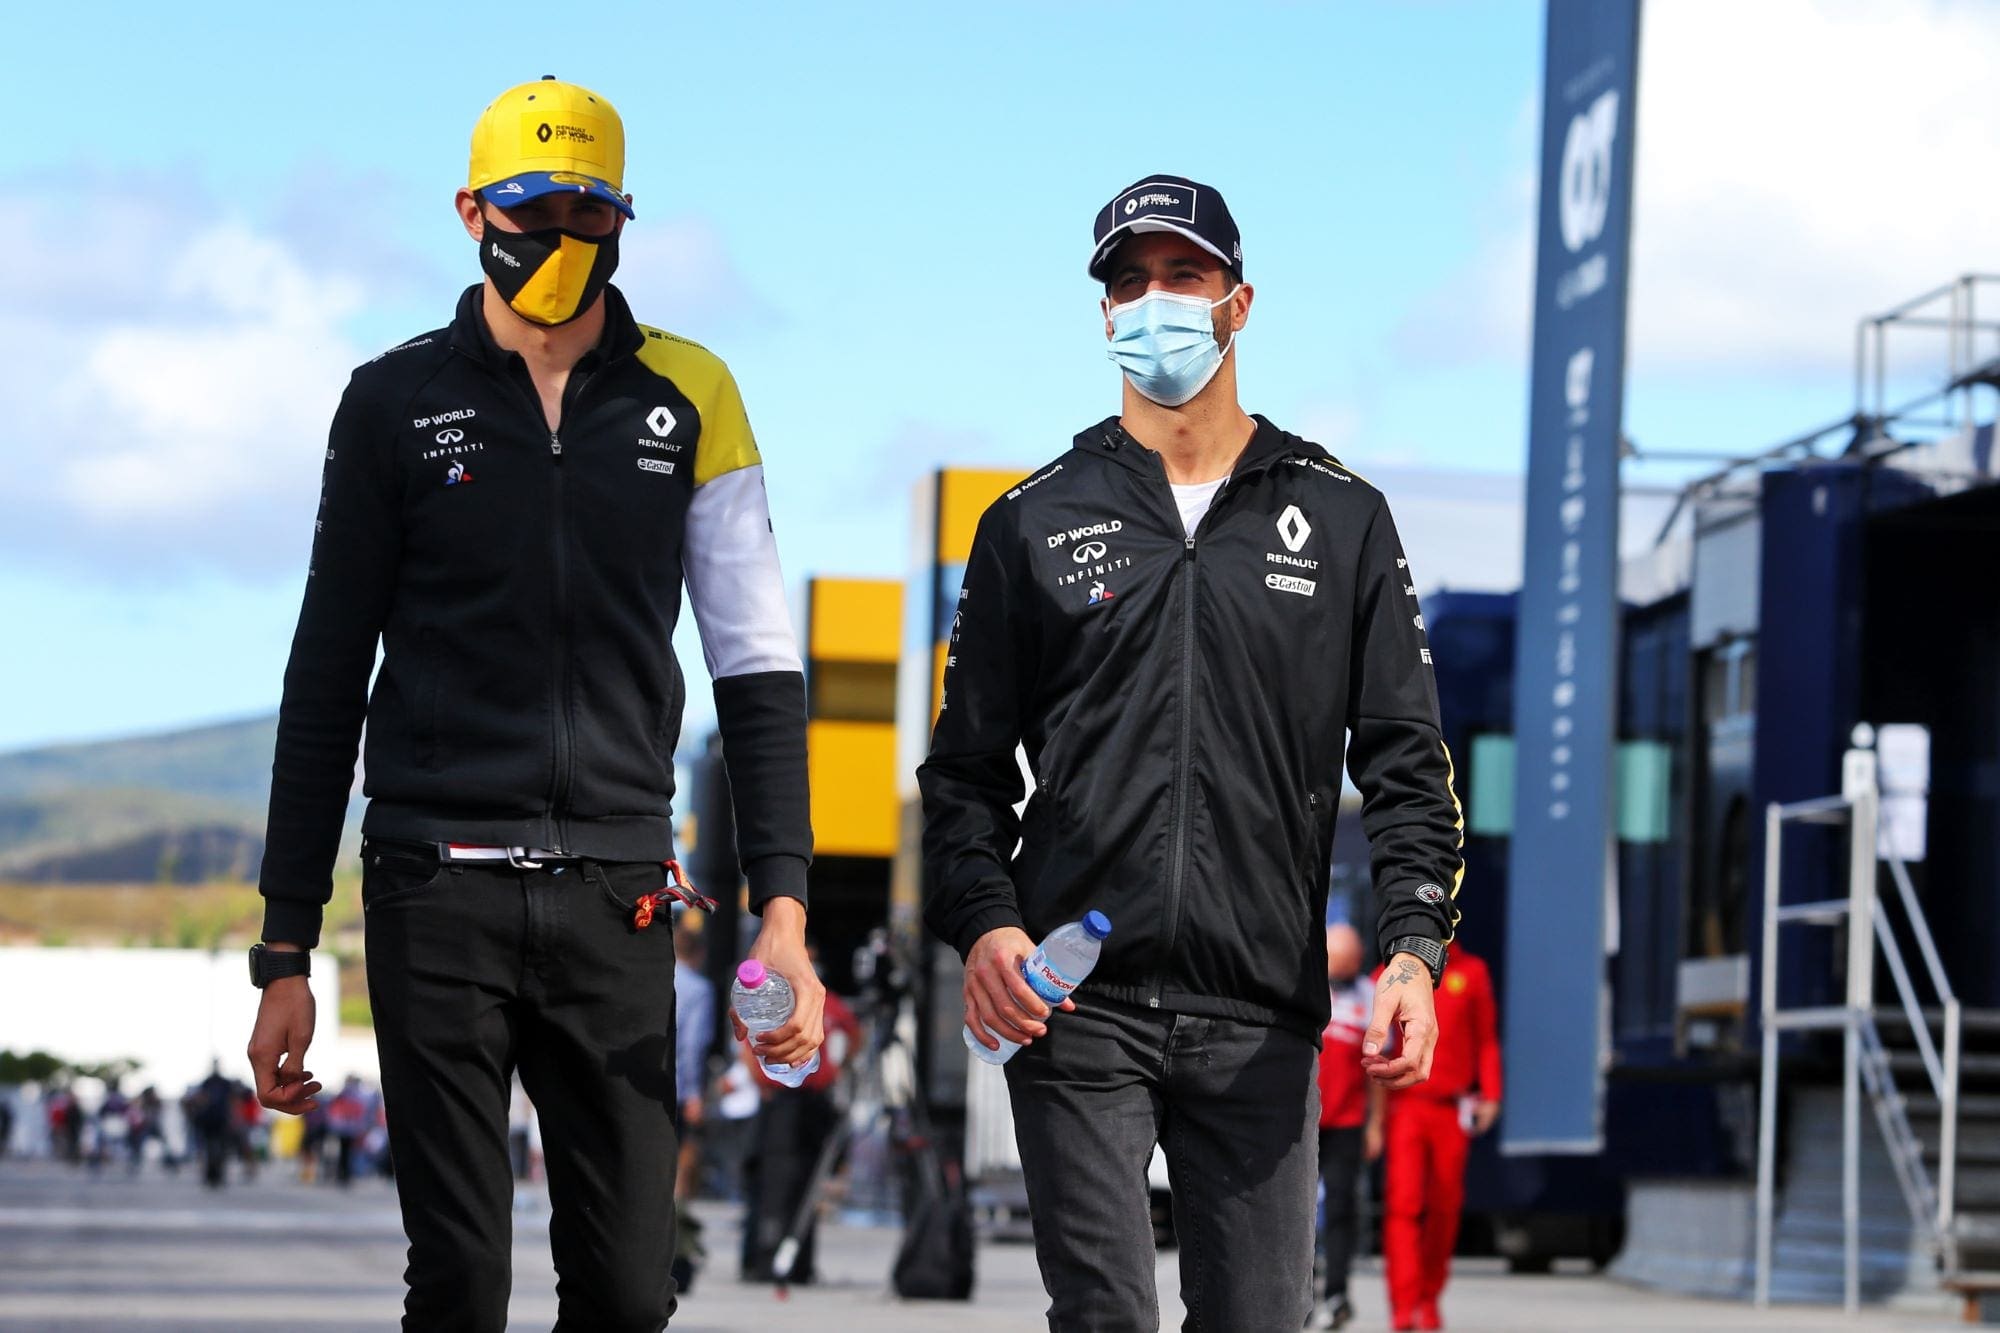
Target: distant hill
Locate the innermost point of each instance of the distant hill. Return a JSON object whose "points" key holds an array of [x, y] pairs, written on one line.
{"points": [[230, 761], [173, 807]]}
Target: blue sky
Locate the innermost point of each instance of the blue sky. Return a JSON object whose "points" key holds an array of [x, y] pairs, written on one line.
{"points": [[879, 216]]}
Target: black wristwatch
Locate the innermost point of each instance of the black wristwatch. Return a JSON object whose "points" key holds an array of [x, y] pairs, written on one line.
{"points": [[267, 965], [1430, 951]]}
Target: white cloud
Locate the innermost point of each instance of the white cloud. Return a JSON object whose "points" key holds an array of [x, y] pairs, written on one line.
{"points": [[170, 382], [1802, 163], [171, 364]]}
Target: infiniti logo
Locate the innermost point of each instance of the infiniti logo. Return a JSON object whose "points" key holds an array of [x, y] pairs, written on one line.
{"points": [[451, 436], [1088, 552]]}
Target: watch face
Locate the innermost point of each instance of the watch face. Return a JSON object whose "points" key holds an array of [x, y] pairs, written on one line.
{"points": [[256, 953]]}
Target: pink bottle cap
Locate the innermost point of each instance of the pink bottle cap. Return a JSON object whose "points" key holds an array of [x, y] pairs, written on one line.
{"points": [[751, 973]]}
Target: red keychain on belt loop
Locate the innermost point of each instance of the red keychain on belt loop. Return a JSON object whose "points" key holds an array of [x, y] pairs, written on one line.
{"points": [[679, 889]]}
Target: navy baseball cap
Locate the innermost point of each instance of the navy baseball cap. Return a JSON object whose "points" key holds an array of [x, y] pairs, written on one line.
{"points": [[1167, 203]]}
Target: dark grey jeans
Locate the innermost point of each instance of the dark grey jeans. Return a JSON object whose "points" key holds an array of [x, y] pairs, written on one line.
{"points": [[1236, 1106]]}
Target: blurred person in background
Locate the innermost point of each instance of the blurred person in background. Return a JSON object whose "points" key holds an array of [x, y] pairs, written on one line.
{"points": [[347, 1120], [65, 1122], [143, 1125], [792, 1127], [694, 1038], [211, 1116], [312, 1145], [250, 1133], [113, 1125], [729, 1132], [1343, 1108], [511, 507], [1426, 1132]]}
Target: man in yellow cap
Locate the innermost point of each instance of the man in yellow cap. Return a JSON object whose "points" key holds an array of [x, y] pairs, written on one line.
{"points": [[511, 506]]}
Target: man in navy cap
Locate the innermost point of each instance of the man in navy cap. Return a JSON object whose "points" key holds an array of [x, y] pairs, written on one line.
{"points": [[1183, 620]]}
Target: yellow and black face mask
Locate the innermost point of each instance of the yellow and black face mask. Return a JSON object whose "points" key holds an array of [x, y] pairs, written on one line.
{"points": [[549, 276]]}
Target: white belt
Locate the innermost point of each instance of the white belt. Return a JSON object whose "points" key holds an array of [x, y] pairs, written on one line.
{"points": [[527, 858]]}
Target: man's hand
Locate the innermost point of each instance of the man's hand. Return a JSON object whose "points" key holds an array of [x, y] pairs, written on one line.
{"points": [[1403, 1005], [283, 1030], [781, 948], [997, 996], [1484, 1113]]}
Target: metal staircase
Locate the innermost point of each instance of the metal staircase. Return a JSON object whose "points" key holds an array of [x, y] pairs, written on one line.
{"points": [[1969, 1244], [1920, 1130]]}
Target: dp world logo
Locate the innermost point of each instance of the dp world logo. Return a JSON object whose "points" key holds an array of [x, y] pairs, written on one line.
{"points": [[660, 421], [1293, 529], [1584, 192]]}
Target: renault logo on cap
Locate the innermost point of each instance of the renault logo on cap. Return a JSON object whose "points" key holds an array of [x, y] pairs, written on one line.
{"points": [[544, 132], [1131, 207]]}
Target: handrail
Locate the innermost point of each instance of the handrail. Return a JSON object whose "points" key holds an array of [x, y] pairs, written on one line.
{"points": [[1916, 1189], [1920, 927], [1944, 1079], [1865, 1060], [1919, 1028], [1818, 810]]}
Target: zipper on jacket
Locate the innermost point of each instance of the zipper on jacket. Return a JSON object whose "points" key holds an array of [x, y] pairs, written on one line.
{"points": [[562, 767], [565, 742], [566, 645], [1183, 773]]}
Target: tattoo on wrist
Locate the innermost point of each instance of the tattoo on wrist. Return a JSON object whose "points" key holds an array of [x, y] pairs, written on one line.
{"points": [[1403, 971]]}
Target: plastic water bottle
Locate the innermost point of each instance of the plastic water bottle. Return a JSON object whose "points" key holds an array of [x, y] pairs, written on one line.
{"points": [[1054, 970], [763, 1000]]}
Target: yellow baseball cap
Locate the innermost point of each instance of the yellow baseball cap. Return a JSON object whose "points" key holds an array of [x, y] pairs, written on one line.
{"points": [[538, 138]]}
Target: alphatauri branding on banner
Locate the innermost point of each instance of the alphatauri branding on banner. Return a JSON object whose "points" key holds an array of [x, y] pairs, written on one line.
{"points": [[1561, 857]]}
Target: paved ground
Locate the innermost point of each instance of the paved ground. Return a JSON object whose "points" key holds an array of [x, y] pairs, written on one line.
{"points": [[161, 1254]]}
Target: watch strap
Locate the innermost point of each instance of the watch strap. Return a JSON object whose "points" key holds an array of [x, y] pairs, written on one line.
{"points": [[1431, 952], [268, 965]]}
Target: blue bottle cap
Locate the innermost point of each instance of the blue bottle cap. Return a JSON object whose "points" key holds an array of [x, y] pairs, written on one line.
{"points": [[1096, 925]]}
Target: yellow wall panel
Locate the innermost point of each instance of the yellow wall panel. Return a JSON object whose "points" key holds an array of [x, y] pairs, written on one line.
{"points": [[853, 770], [963, 494], [856, 620]]}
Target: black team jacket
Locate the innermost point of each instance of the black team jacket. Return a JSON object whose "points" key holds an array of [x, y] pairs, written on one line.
{"points": [[1184, 703], [524, 584]]}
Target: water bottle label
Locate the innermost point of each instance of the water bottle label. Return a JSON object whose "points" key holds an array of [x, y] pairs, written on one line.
{"points": [[1050, 984]]}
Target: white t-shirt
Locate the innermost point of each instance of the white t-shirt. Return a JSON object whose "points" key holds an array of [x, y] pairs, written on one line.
{"points": [[1194, 501]]}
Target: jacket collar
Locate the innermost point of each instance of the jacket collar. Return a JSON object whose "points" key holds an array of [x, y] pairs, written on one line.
{"points": [[1107, 439], [469, 334]]}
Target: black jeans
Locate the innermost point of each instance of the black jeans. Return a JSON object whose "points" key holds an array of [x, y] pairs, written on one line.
{"points": [[1339, 1171], [793, 1126], [1237, 1107], [475, 969]]}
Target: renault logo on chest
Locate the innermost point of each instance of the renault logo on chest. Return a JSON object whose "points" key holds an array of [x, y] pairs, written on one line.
{"points": [[659, 421], [1293, 528]]}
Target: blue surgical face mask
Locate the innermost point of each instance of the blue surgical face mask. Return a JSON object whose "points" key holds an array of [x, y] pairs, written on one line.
{"points": [[1165, 344]]}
